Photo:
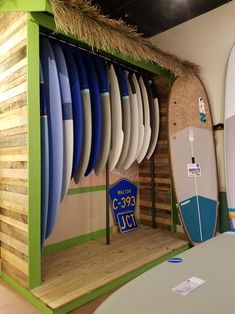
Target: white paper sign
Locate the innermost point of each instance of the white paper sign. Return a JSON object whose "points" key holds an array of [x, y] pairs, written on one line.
{"points": [[188, 286], [194, 170]]}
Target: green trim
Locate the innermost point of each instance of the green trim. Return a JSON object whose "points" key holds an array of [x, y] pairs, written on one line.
{"points": [[173, 212], [47, 21], [74, 241], [34, 170], [25, 5], [118, 282], [25, 293]]}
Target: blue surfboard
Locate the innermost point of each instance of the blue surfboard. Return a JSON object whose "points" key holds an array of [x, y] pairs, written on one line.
{"points": [[96, 112], [67, 118], [44, 159], [55, 126], [101, 70], [87, 118], [77, 107]]}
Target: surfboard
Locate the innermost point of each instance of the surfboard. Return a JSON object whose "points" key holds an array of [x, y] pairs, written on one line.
{"points": [[134, 137], [78, 128], [55, 127], [44, 158], [67, 113], [101, 70], [229, 128], [147, 128], [140, 114], [126, 113], [193, 161], [87, 118], [155, 121], [96, 111], [116, 119]]}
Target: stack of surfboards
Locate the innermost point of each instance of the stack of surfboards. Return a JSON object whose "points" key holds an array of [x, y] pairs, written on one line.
{"points": [[92, 111], [193, 160]]}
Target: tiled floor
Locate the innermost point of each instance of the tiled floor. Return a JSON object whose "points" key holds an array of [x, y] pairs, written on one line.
{"points": [[11, 302]]}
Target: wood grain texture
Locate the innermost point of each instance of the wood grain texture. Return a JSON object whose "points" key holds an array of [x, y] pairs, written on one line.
{"points": [[14, 146], [161, 169], [75, 272]]}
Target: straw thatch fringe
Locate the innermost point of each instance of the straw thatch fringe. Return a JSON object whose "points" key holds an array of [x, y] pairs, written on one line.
{"points": [[85, 21]]}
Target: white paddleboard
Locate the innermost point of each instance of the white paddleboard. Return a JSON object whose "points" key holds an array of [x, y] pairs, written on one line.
{"points": [[229, 131], [147, 128], [116, 119]]}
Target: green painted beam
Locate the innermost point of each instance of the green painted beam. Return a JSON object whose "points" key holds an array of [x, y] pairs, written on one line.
{"points": [[25, 5], [74, 241], [34, 170], [47, 21]]}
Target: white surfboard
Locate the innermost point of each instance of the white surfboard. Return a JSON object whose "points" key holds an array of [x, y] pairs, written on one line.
{"points": [[140, 114], [229, 131], [134, 138], [156, 122], [147, 128], [116, 119]]}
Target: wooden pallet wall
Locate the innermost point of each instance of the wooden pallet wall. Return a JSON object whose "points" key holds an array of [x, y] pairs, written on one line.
{"points": [[161, 169], [14, 147]]}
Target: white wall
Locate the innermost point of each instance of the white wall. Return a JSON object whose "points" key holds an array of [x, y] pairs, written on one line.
{"points": [[206, 40]]}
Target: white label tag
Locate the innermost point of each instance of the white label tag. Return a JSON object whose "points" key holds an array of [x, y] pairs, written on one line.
{"points": [[201, 104], [190, 134], [188, 286], [194, 170]]}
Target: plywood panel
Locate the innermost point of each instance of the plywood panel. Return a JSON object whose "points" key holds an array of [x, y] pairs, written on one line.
{"points": [[14, 146]]}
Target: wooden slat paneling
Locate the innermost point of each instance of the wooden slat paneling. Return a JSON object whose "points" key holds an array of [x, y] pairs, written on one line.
{"points": [[161, 168], [14, 147]]}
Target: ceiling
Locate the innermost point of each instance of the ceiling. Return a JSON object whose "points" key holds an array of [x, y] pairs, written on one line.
{"points": [[155, 16]]}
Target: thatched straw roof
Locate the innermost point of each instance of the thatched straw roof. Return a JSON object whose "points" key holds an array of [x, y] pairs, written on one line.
{"points": [[85, 21]]}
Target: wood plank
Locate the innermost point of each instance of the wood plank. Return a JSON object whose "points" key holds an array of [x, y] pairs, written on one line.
{"points": [[18, 150], [92, 265], [20, 264], [14, 131], [20, 246], [17, 198], [15, 58], [13, 80], [14, 70], [158, 220], [15, 252], [14, 182], [166, 206], [14, 173], [18, 37], [14, 118], [21, 45], [14, 232], [14, 103], [19, 89], [10, 23], [13, 214], [14, 273], [14, 157], [14, 223]]}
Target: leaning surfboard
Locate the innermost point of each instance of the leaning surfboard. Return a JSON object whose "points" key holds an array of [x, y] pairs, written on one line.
{"points": [[87, 120], [229, 143], [96, 112], [53, 99], [116, 119], [101, 69], [126, 113], [134, 137], [78, 129], [44, 158], [193, 161], [67, 112]]}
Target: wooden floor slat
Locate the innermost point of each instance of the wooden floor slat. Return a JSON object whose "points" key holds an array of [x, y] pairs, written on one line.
{"points": [[72, 273]]}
